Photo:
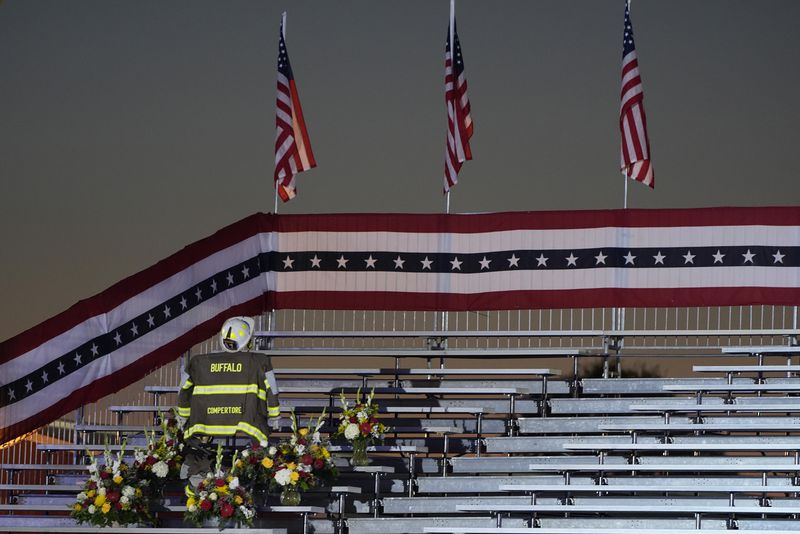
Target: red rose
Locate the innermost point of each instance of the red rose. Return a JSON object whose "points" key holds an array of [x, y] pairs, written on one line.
{"points": [[318, 464], [202, 485], [112, 496], [253, 460], [105, 474], [307, 459], [151, 460], [171, 464], [226, 510], [118, 505], [170, 443], [92, 484], [303, 474], [301, 442], [353, 419], [365, 428], [206, 505], [219, 483]]}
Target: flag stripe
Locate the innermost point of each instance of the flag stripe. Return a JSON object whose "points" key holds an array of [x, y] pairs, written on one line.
{"points": [[459, 121]]}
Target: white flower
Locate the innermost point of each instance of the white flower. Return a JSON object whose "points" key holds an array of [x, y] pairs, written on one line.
{"points": [[245, 453], [315, 437], [101, 491], [272, 451], [283, 477], [212, 496], [81, 496], [301, 449], [161, 469], [351, 431], [375, 432], [233, 484], [362, 416], [128, 491], [247, 512], [92, 508], [124, 499], [193, 508], [93, 468], [139, 456], [263, 443]]}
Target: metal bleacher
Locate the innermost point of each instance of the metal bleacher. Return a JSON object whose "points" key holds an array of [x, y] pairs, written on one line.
{"points": [[521, 448]]}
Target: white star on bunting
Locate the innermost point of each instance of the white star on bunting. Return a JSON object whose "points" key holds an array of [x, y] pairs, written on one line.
{"points": [[718, 257], [342, 261], [77, 359], [426, 263], [167, 312], [183, 303], [688, 257], [484, 263], [118, 338], [748, 256], [513, 261], [45, 378], [659, 258], [370, 262], [246, 271], [455, 264], [541, 260], [198, 294], [572, 260], [778, 257], [600, 258], [629, 258], [398, 262], [213, 286], [288, 263], [134, 330], [61, 368], [316, 262], [229, 278]]}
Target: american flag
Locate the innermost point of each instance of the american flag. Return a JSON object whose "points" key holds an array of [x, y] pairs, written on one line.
{"points": [[477, 262], [292, 147], [635, 152], [459, 122]]}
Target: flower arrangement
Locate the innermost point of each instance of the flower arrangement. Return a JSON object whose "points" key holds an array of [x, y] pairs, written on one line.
{"points": [[295, 464], [112, 495], [359, 425], [219, 496], [162, 460], [254, 464]]}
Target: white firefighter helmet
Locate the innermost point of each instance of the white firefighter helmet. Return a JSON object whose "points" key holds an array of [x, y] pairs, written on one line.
{"points": [[236, 333]]}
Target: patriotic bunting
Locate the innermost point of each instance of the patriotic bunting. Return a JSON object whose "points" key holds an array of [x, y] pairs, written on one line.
{"points": [[572, 259]]}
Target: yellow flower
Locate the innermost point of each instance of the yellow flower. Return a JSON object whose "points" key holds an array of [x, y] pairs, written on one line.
{"points": [[106, 507], [77, 507], [239, 464], [190, 502], [238, 499], [291, 466], [117, 479], [99, 500], [188, 491], [90, 493], [138, 492], [267, 463], [230, 477], [303, 432], [325, 453], [294, 476], [222, 490]]}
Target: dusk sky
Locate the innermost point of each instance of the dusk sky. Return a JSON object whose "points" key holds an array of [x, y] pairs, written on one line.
{"points": [[131, 129]]}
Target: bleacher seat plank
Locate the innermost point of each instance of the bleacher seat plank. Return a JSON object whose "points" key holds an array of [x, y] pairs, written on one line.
{"points": [[647, 488], [664, 447], [695, 467], [609, 530], [683, 508]]}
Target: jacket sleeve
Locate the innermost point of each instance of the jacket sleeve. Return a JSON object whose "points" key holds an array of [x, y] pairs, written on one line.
{"points": [[271, 387], [184, 407]]}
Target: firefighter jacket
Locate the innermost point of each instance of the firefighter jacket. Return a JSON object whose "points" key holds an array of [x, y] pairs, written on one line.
{"points": [[227, 392]]}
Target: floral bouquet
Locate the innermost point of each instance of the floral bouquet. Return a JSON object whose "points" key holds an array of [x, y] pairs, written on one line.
{"points": [[219, 496], [113, 495], [162, 459], [254, 464], [359, 425], [300, 462]]}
